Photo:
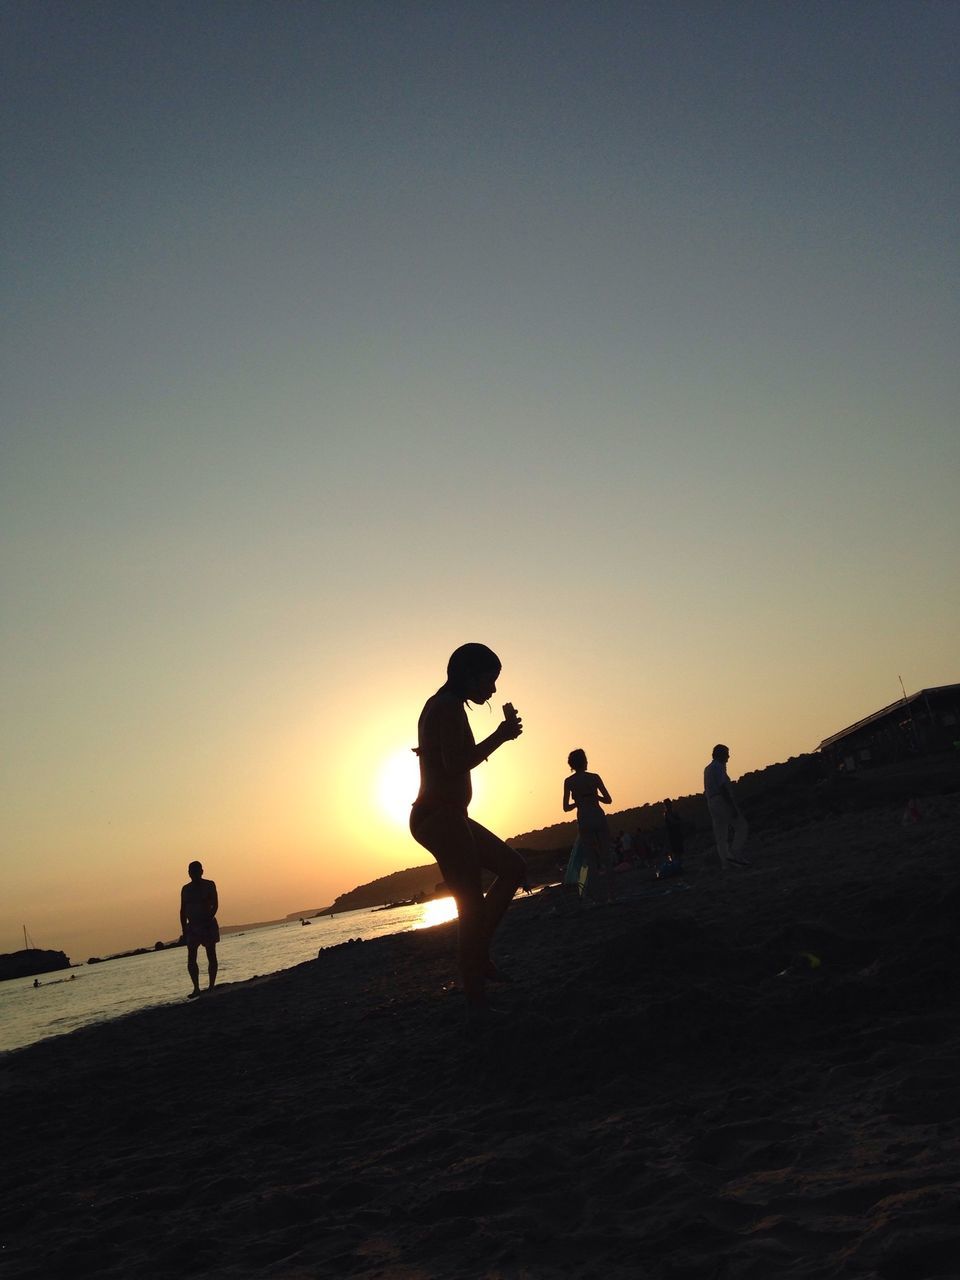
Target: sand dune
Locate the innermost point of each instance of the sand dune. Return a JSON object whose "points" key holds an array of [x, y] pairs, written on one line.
{"points": [[662, 1100]]}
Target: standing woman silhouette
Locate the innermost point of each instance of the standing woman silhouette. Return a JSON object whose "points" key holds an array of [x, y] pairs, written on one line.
{"points": [[585, 792], [439, 821]]}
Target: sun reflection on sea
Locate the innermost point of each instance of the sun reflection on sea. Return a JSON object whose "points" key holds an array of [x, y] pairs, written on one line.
{"points": [[439, 911]]}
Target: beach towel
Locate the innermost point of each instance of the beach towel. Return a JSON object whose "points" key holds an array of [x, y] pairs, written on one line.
{"points": [[576, 872]]}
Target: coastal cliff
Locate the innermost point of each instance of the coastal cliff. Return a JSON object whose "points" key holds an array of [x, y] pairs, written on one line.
{"points": [[398, 886]]}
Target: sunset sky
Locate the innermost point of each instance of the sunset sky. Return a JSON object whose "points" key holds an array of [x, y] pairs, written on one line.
{"points": [[618, 336]]}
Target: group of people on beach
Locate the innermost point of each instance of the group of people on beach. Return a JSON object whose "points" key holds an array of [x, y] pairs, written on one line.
{"points": [[464, 850], [595, 855]]}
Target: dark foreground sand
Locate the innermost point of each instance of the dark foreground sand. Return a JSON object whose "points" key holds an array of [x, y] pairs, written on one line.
{"points": [[659, 1104]]}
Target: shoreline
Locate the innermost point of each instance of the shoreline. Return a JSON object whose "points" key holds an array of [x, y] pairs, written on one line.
{"points": [[659, 1099]]}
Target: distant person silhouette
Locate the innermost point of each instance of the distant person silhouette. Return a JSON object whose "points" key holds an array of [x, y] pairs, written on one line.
{"points": [[673, 826], [585, 792], [624, 850], [439, 821], [198, 925], [724, 810]]}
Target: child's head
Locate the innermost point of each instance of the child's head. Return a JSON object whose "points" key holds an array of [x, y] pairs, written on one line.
{"points": [[472, 672], [577, 759]]}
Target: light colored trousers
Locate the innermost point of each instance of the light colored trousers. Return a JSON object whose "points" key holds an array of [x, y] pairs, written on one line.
{"points": [[723, 818]]}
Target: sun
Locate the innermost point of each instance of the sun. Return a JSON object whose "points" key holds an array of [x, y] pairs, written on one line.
{"points": [[437, 911], [398, 781]]}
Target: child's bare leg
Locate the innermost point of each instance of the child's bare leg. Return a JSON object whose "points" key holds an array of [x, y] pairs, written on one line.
{"points": [[193, 969], [472, 946], [448, 836], [498, 857]]}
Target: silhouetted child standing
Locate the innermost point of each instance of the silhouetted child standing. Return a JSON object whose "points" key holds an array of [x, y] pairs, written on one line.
{"points": [[585, 792], [439, 821]]}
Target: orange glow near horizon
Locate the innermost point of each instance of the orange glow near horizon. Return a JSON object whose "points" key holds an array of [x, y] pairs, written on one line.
{"points": [[418, 405]]}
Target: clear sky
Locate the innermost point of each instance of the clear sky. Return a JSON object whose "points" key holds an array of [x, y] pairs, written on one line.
{"points": [[618, 336]]}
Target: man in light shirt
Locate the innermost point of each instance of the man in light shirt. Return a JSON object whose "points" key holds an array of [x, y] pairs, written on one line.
{"points": [[724, 811]]}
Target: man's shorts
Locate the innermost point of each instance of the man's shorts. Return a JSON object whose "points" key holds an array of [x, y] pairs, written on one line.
{"points": [[201, 933]]}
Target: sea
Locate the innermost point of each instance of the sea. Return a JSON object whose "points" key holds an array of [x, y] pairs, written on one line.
{"points": [[88, 994]]}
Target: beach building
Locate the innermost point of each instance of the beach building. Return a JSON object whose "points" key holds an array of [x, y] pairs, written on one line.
{"points": [[919, 725]]}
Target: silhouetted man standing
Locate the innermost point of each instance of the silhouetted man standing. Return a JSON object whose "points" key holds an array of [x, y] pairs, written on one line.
{"points": [[198, 925], [724, 810]]}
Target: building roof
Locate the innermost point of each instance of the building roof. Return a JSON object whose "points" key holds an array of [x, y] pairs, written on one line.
{"points": [[900, 705]]}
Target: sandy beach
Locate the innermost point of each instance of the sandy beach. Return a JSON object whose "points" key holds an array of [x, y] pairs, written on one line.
{"points": [[661, 1101]]}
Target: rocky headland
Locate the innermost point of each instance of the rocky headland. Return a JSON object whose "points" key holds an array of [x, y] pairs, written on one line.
{"points": [[24, 964]]}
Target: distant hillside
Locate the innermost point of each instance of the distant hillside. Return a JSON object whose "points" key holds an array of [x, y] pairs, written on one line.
{"points": [[399, 886]]}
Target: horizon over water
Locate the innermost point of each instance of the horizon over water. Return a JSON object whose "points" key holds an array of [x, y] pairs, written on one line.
{"points": [[116, 988]]}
